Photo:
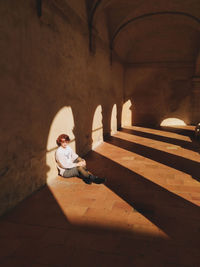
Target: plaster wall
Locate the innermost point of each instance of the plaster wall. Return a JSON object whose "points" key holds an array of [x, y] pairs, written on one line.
{"points": [[46, 67], [158, 91]]}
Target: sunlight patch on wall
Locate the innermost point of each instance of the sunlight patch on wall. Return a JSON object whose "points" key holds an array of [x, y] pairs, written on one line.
{"points": [[113, 123], [97, 128], [126, 114], [172, 122], [63, 123]]}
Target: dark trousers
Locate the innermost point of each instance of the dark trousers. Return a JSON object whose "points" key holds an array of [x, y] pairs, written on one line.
{"points": [[81, 172]]}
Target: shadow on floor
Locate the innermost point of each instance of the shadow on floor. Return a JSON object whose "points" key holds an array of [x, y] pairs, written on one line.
{"points": [[179, 163], [156, 203], [185, 144], [177, 217], [38, 233], [182, 130]]}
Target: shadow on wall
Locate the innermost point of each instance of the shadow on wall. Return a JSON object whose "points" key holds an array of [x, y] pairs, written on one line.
{"points": [[129, 118], [64, 122], [40, 83]]}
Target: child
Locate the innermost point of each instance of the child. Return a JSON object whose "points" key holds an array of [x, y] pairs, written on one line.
{"points": [[69, 164]]}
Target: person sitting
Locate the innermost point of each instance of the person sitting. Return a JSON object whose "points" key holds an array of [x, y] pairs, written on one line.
{"points": [[69, 164]]}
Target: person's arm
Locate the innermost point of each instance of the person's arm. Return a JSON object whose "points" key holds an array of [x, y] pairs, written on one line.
{"points": [[64, 162], [78, 160], [74, 155]]}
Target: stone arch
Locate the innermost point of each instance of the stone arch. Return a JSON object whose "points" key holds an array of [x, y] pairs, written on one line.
{"points": [[91, 14], [132, 20]]}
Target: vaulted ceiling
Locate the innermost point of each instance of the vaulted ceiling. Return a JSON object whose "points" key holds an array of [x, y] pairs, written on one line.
{"points": [[150, 30]]}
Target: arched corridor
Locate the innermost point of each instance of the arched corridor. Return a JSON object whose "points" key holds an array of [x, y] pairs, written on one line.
{"points": [[122, 79]]}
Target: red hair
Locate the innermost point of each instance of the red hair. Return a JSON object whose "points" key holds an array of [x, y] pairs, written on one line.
{"points": [[60, 137]]}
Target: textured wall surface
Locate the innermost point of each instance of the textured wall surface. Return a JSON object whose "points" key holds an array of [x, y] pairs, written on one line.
{"points": [[58, 76], [159, 91], [46, 66]]}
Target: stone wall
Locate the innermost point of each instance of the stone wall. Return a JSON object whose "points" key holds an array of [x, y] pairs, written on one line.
{"points": [[47, 69], [159, 91]]}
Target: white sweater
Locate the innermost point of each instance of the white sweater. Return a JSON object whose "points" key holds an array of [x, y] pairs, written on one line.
{"points": [[65, 159]]}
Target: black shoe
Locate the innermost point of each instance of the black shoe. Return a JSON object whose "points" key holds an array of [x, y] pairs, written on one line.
{"points": [[97, 180], [87, 180]]}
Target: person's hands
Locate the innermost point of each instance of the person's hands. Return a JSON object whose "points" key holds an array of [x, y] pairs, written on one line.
{"points": [[84, 162], [81, 163]]}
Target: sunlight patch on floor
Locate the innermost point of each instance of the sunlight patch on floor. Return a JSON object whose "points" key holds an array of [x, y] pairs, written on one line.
{"points": [[163, 132], [86, 208], [160, 145], [167, 177]]}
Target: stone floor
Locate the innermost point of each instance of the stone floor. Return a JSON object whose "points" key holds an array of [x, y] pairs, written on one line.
{"points": [[147, 213]]}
